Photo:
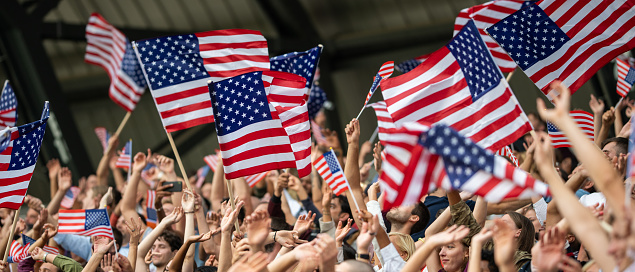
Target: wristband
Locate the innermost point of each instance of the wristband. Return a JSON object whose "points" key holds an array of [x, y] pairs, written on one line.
{"points": [[45, 254], [187, 212], [274, 235], [363, 256]]}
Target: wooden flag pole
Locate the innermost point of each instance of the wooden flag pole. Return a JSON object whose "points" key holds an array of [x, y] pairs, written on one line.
{"points": [[178, 160], [509, 76], [123, 123], [231, 201], [15, 221]]}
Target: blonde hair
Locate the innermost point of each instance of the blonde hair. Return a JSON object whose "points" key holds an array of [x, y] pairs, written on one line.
{"points": [[404, 243]]}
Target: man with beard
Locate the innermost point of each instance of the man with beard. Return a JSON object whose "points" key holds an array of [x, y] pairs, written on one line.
{"points": [[405, 221]]}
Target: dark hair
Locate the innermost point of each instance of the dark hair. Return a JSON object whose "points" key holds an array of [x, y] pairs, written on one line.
{"points": [[206, 269], [424, 216], [344, 205], [621, 144], [348, 251], [172, 238], [526, 239], [488, 256]]}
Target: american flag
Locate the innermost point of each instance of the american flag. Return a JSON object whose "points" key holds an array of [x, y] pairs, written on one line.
{"points": [[18, 160], [385, 71], [8, 107], [69, 197], [18, 252], [584, 121], [484, 16], [178, 68], [151, 213], [317, 97], [103, 135], [625, 77], [295, 121], [201, 173], [507, 152], [109, 48], [93, 222], [410, 64], [125, 158], [330, 170], [249, 129], [26, 240], [252, 180], [317, 133], [566, 40], [212, 160], [300, 63], [384, 121], [459, 85], [421, 158]]}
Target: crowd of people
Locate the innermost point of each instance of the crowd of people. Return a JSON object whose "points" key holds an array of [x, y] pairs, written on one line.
{"points": [[286, 223]]}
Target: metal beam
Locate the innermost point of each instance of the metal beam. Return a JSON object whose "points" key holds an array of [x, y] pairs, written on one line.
{"points": [[77, 32], [34, 78]]}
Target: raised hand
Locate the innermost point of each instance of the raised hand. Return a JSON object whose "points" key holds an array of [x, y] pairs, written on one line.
{"points": [[482, 237], [562, 107], [49, 231], [504, 243], [451, 234], [210, 260], [547, 253], [187, 201], [352, 132], [597, 105], [365, 237], [175, 216], [325, 247], [250, 262], [202, 237], [364, 172], [377, 157], [113, 142], [34, 202], [341, 232], [543, 151], [213, 219], [288, 239], [106, 199], [37, 254], [41, 220], [4, 266], [161, 190], [608, 117], [103, 248], [54, 167], [258, 227], [135, 229], [373, 190], [365, 148], [108, 263], [304, 223], [140, 161], [281, 183], [165, 164], [230, 216], [64, 179]]}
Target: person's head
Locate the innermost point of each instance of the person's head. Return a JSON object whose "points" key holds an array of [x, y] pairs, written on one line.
{"points": [[49, 267], [206, 269], [414, 216], [529, 212], [613, 147], [31, 216], [353, 266], [340, 210], [403, 243], [167, 205], [165, 247], [320, 118], [525, 233], [454, 256], [206, 190], [93, 196]]}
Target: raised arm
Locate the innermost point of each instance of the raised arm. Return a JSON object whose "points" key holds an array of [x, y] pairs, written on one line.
{"points": [[607, 180], [177, 261], [351, 170], [597, 106], [129, 198], [54, 167], [135, 229], [187, 201], [607, 121], [590, 232], [64, 183], [102, 168], [218, 186], [225, 258]]}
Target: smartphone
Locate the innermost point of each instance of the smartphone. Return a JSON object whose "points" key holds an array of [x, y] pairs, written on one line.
{"points": [[177, 186]]}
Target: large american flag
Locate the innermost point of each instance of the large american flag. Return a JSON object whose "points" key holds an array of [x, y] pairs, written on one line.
{"points": [[331, 172], [8, 107], [566, 40], [250, 133], [420, 158], [625, 77], [109, 48], [125, 158], [385, 71], [103, 135], [384, 121], [459, 85], [17, 161], [300, 63], [93, 222], [151, 213], [484, 16], [410, 64], [69, 197], [584, 121], [179, 67]]}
